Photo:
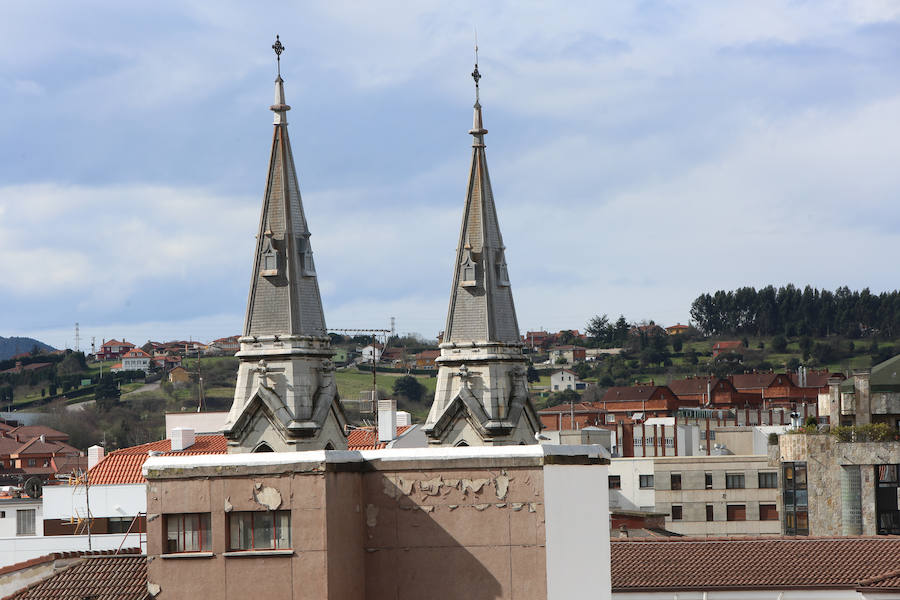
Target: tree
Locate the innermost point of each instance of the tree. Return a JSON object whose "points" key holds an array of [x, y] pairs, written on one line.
{"points": [[532, 375], [106, 393], [677, 343], [409, 387], [582, 370], [779, 343], [565, 396]]}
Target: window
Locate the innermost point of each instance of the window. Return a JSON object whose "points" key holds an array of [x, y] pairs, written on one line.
{"points": [[675, 481], [615, 482], [887, 507], [268, 530], [768, 512], [25, 522], [736, 512], [710, 513], [768, 480], [32, 462], [119, 524], [707, 480], [734, 481], [187, 533], [676, 512], [645, 481], [796, 519]]}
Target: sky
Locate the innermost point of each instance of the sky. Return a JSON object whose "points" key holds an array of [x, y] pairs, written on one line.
{"points": [[641, 153]]}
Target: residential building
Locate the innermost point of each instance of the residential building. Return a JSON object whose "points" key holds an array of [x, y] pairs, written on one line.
{"points": [[572, 416], [677, 329], [114, 493], [715, 496], [569, 354], [481, 396], [425, 359], [179, 375], [498, 522], [136, 360], [631, 484], [646, 399], [226, 346], [868, 396], [564, 379], [367, 352], [726, 347], [113, 349]]}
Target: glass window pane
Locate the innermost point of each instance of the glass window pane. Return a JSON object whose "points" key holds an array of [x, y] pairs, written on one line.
{"points": [[205, 532], [240, 531], [263, 530], [283, 529], [800, 497], [801, 476], [191, 533], [172, 522]]}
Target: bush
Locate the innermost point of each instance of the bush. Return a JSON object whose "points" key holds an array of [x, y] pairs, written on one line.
{"points": [[873, 432]]}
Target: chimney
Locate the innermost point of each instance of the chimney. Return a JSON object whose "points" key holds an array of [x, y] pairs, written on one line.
{"points": [[95, 455], [182, 438], [387, 420]]}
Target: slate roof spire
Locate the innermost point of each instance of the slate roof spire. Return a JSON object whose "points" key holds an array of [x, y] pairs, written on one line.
{"points": [[481, 303], [284, 294]]}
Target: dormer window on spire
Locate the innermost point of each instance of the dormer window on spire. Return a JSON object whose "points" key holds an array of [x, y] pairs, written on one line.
{"points": [[269, 256], [304, 250], [468, 268]]}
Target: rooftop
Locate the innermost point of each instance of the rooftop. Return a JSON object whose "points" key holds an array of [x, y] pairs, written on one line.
{"points": [[122, 577], [124, 466], [674, 564]]}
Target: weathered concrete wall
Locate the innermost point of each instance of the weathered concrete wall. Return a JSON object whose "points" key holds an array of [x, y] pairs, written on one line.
{"points": [[394, 529], [831, 480]]}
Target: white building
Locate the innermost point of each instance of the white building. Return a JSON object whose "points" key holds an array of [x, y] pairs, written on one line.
{"points": [[631, 484], [135, 360], [563, 379], [370, 350]]}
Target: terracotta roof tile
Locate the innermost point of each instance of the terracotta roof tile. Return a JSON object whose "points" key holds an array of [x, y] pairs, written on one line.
{"points": [[629, 393], [124, 466], [754, 563], [122, 577], [366, 438]]}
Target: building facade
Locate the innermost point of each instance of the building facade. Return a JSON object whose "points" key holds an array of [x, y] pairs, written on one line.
{"points": [[712, 496]]}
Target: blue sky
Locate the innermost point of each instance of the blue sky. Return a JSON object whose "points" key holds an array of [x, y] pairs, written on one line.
{"points": [[641, 154]]}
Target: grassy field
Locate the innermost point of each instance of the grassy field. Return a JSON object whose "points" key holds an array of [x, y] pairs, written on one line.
{"points": [[351, 382]]}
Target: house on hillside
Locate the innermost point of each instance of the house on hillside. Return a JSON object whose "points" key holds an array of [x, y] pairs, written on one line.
{"points": [[726, 347], [677, 329], [425, 359], [571, 354], [372, 350], [135, 360], [114, 349], [226, 346], [564, 379]]}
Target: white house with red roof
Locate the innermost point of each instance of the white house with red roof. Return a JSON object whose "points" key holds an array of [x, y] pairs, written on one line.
{"points": [[564, 379], [135, 360]]}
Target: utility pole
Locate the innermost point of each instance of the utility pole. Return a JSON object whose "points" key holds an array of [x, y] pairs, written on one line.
{"points": [[374, 333]]}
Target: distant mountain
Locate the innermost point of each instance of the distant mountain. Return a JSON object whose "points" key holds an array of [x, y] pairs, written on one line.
{"points": [[11, 346]]}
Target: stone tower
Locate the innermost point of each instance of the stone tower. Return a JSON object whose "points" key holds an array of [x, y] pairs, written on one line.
{"points": [[286, 398], [482, 391]]}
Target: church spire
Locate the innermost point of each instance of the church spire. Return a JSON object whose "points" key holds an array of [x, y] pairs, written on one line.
{"points": [[284, 292], [482, 392], [285, 397], [481, 303]]}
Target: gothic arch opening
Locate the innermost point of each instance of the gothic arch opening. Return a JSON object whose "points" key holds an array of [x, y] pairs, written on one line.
{"points": [[461, 444], [329, 446], [263, 447]]}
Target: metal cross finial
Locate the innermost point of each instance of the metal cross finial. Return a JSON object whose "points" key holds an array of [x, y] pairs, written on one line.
{"points": [[278, 47], [476, 75]]}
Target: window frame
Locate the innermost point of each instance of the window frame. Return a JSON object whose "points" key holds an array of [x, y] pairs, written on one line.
{"points": [[767, 474], [673, 478], [26, 519], [256, 518], [203, 533], [615, 482], [710, 513], [677, 509], [708, 480], [646, 482], [732, 478], [732, 511], [771, 511]]}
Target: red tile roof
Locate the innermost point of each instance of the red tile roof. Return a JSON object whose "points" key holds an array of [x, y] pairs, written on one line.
{"points": [[630, 393], [62, 555], [135, 353], [752, 381], [580, 407], [122, 577], [727, 345], [26, 432], [124, 466], [691, 385], [675, 564], [366, 438]]}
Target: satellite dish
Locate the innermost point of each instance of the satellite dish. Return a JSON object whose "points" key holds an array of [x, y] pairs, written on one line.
{"points": [[33, 487]]}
